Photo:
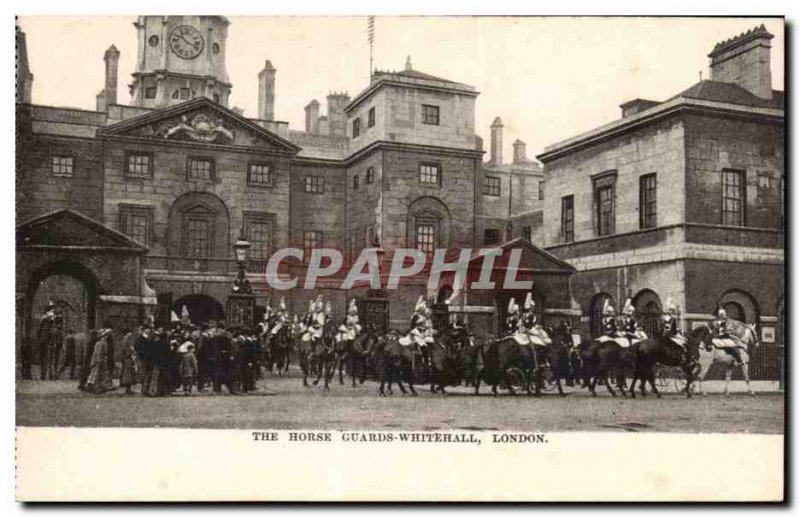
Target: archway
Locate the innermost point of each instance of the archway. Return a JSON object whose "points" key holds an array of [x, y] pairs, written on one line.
{"points": [[201, 307], [596, 313], [648, 311], [65, 283], [741, 306]]}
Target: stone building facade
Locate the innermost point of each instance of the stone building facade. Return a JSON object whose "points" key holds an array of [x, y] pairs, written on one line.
{"points": [[680, 199], [182, 175]]}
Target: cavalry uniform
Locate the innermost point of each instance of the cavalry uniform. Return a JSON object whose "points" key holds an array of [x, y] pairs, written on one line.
{"points": [[670, 325], [630, 327], [281, 318], [316, 321], [723, 338], [529, 332], [611, 330], [512, 319], [421, 331], [351, 326]]}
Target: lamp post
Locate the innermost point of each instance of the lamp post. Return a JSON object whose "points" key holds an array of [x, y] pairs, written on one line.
{"points": [[242, 302]]}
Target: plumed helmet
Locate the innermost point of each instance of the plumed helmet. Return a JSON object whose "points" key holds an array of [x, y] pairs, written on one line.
{"points": [[608, 309], [318, 305], [721, 313], [420, 307], [513, 308], [672, 308], [353, 309], [628, 309], [311, 306], [529, 303], [328, 308], [282, 304], [452, 298]]}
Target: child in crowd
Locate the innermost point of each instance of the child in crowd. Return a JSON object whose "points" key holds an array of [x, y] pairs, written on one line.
{"points": [[188, 368]]}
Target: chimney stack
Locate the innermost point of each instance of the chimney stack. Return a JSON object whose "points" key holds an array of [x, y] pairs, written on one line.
{"points": [[520, 152], [745, 60], [266, 92], [496, 151], [312, 117], [336, 115], [111, 57]]}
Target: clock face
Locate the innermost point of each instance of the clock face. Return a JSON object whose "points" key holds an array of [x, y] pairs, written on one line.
{"points": [[186, 42]]}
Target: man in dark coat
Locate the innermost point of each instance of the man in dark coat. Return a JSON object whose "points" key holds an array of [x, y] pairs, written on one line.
{"points": [[227, 365]]}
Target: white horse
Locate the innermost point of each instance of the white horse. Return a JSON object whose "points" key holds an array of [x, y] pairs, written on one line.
{"points": [[710, 354]]}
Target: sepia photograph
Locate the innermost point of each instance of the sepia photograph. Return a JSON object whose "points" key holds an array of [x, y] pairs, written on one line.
{"points": [[484, 233]]}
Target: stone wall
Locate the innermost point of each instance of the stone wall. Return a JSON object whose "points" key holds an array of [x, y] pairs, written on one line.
{"points": [[322, 212]]}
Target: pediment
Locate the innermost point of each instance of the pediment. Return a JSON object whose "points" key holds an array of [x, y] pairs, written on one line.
{"points": [[533, 257], [200, 121], [68, 229]]}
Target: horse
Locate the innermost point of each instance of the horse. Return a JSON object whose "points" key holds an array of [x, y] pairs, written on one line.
{"points": [[599, 359], [354, 353], [557, 357], [710, 354], [277, 347], [394, 362], [504, 361], [447, 360], [317, 356], [662, 350]]}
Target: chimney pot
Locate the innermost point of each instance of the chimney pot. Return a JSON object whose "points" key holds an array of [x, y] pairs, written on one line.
{"points": [[520, 152], [312, 117], [266, 92], [496, 150]]}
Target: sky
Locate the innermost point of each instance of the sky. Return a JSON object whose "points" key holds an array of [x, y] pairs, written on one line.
{"points": [[547, 78]]}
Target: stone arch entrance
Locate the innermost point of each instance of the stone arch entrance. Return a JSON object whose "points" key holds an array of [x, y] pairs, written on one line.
{"points": [[43, 287], [596, 313], [741, 306], [202, 308], [648, 311]]}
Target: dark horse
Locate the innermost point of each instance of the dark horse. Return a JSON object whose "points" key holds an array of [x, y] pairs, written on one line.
{"points": [[556, 357], [506, 362], [318, 355], [354, 353], [449, 356], [395, 362], [277, 347], [662, 350], [602, 358]]}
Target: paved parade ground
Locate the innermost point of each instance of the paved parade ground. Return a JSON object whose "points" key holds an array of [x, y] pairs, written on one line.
{"points": [[283, 403]]}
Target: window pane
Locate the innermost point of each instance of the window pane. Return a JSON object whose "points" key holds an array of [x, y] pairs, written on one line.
{"points": [[430, 114], [567, 217], [62, 165], [732, 198], [491, 186], [200, 168], [429, 173], [425, 238], [197, 238], [139, 165], [311, 239], [260, 237], [259, 174]]}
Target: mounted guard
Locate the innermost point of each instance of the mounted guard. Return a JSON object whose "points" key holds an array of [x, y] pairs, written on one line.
{"points": [[421, 326], [724, 339], [630, 327], [351, 327], [670, 325], [611, 331], [316, 321], [281, 318], [512, 318], [529, 325]]}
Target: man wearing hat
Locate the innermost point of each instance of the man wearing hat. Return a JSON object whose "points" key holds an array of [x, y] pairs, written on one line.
{"points": [[670, 324], [45, 338], [723, 338], [512, 318]]}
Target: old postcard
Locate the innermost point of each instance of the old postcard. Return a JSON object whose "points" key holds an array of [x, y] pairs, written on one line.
{"points": [[399, 258]]}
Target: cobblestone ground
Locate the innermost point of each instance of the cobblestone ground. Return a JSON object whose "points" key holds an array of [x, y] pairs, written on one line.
{"points": [[283, 403]]}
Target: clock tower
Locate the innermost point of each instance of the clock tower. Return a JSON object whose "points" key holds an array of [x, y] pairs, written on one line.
{"points": [[180, 58]]}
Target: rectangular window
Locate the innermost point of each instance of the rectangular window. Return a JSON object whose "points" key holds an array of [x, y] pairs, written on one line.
{"points": [[526, 233], [259, 174], [314, 184], [185, 93], [568, 218], [311, 239], [135, 222], [259, 233], [197, 237], [733, 198], [426, 238], [541, 191], [200, 169], [371, 117], [491, 237], [355, 182], [139, 165], [429, 173], [370, 175], [150, 92], [356, 127], [491, 186], [604, 198], [430, 114], [647, 201], [62, 165]]}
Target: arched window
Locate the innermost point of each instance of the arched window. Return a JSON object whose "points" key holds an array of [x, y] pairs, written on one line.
{"points": [[648, 311], [741, 306]]}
